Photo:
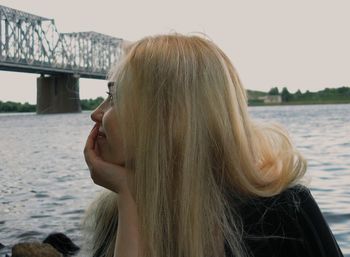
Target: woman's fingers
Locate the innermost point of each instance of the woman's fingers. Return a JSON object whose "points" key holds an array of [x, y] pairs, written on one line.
{"points": [[90, 143], [90, 146]]}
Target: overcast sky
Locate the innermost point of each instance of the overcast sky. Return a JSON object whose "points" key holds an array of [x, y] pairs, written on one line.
{"points": [[300, 44]]}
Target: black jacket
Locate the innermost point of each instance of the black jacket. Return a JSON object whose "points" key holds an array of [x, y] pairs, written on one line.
{"points": [[287, 225]]}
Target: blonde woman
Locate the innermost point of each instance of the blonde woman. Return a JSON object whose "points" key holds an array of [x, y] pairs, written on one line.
{"points": [[188, 173]]}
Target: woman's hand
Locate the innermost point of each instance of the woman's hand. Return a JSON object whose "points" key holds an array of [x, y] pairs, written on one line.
{"points": [[105, 174], [114, 178]]}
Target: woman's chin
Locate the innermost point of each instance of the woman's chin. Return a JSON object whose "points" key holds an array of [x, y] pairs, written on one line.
{"points": [[108, 157]]}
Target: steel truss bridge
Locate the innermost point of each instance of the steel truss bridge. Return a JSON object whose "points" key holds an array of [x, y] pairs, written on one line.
{"points": [[30, 43]]}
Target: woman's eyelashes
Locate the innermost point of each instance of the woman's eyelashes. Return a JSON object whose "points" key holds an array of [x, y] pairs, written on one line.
{"points": [[110, 97]]}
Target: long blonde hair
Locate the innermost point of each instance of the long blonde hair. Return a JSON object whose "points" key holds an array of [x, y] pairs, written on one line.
{"points": [[190, 145]]}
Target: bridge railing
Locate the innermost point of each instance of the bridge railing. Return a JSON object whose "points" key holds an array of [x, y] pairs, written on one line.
{"points": [[33, 42], [92, 51]]}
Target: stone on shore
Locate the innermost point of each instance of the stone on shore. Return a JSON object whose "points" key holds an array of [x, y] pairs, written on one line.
{"points": [[34, 249]]}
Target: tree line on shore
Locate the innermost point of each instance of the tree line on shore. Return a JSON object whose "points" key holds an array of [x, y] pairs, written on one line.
{"points": [[328, 95], [86, 104]]}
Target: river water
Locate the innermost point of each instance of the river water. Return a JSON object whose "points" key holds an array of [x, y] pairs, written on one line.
{"points": [[45, 185]]}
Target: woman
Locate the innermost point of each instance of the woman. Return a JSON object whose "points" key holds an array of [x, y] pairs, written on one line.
{"points": [[188, 172]]}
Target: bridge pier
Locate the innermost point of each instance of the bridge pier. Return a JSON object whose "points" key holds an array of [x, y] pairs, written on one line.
{"points": [[58, 94]]}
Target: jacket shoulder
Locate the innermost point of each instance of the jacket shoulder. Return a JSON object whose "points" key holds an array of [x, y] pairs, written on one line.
{"points": [[288, 224]]}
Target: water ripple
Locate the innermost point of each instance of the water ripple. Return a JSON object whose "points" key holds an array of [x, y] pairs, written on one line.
{"points": [[29, 234]]}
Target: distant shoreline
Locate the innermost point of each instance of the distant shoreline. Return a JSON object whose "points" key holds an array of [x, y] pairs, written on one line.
{"points": [[15, 107], [249, 105], [339, 95], [275, 97], [300, 103]]}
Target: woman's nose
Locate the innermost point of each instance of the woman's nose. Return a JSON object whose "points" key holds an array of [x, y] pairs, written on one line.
{"points": [[97, 114]]}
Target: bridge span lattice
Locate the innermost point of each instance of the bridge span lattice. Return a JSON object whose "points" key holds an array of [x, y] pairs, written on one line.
{"points": [[31, 43]]}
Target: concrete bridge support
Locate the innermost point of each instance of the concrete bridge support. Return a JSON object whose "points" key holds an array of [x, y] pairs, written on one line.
{"points": [[58, 94]]}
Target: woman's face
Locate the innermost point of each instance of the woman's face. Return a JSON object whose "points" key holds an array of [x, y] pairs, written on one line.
{"points": [[109, 143]]}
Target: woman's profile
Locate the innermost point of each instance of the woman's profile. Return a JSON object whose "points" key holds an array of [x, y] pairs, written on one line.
{"points": [[188, 172]]}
